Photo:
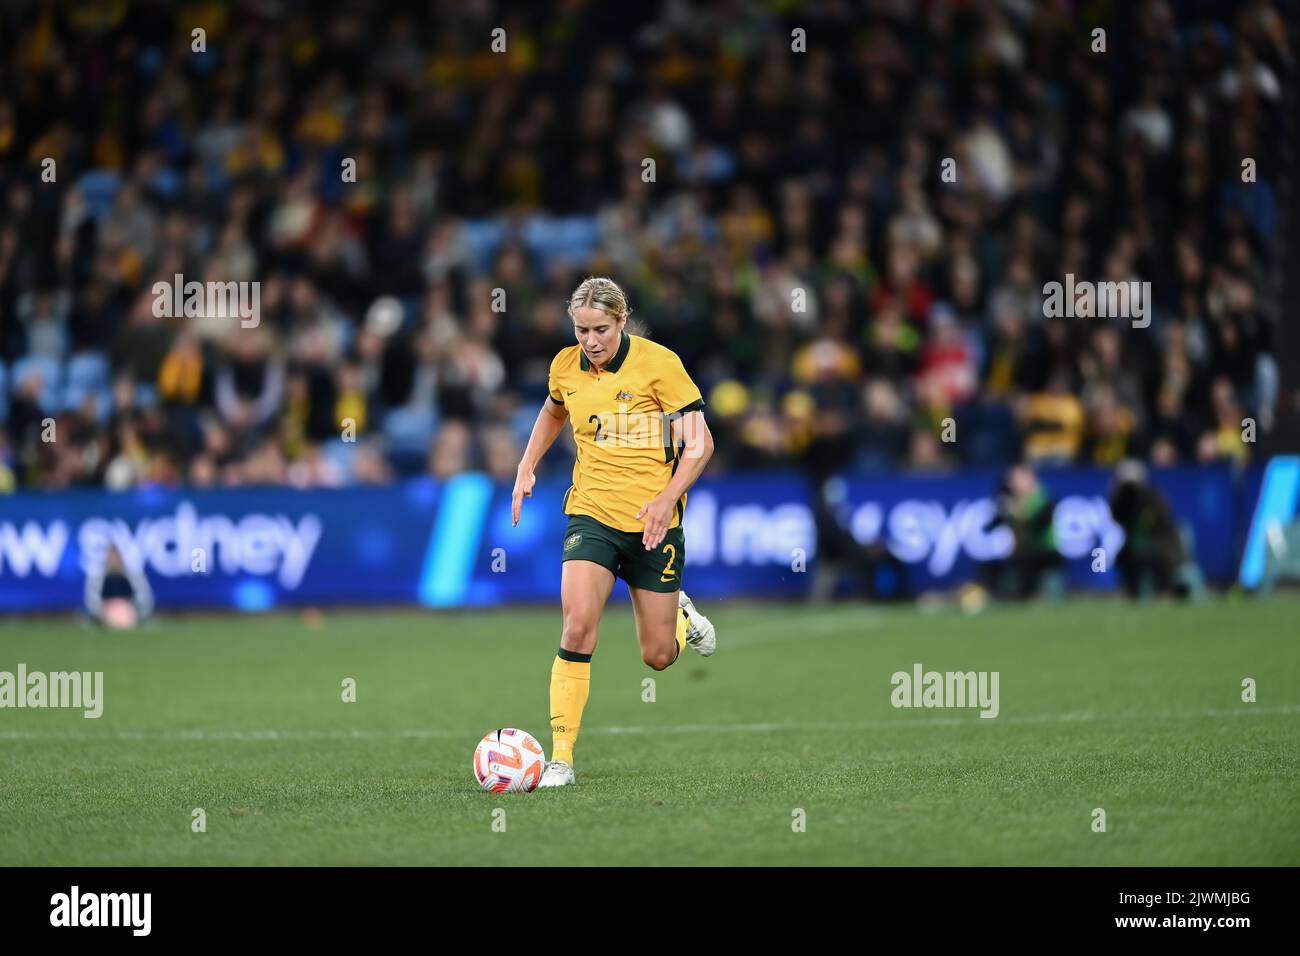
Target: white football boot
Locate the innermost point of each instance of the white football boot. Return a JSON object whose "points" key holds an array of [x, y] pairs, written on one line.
{"points": [[557, 774], [699, 630]]}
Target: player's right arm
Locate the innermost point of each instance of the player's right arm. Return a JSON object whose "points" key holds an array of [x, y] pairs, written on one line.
{"points": [[550, 421]]}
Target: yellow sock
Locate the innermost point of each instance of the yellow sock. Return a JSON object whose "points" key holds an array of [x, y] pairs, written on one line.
{"points": [[682, 624], [570, 684]]}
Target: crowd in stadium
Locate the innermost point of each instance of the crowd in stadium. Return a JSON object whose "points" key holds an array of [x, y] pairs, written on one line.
{"points": [[795, 240]]}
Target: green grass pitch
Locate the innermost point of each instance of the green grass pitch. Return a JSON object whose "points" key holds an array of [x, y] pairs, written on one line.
{"points": [[1135, 710]]}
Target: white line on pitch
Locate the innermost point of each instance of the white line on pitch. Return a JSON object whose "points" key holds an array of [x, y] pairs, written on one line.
{"points": [[900, 723]]}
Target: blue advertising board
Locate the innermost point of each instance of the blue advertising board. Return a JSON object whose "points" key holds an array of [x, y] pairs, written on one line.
{"points": [[451, 543]]}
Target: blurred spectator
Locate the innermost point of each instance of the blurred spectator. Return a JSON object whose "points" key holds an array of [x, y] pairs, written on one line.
{"points": [[1052, 422], [118, 597], [1110, 428], [1153, 559], [450, 453], [1026, 509], [870, 570], [797, 244]]}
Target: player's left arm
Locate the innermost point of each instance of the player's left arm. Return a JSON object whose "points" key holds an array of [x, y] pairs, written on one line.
{"points": [[680, 399], [690, 434]]}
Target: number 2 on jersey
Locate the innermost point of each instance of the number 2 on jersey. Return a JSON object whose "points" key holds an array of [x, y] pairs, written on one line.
{"points": [[667, 576]]}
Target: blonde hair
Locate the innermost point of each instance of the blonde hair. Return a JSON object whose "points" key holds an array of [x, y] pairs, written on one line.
{"points": [[599, 292]]}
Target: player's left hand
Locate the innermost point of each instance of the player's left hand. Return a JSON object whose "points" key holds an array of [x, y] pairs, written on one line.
{"points": [[658, 515]]}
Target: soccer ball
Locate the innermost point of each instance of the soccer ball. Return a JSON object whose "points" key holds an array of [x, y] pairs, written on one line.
{"points": [[509, 761]]}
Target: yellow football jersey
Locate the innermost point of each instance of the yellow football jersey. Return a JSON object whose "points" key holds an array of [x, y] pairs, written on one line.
{"points": [[621, 418]]}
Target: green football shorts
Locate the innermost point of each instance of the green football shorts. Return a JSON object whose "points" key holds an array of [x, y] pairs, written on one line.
{"points": [[586, 539]]}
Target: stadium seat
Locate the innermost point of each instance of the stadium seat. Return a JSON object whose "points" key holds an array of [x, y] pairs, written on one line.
{"points": [[522, 421], [51, 379], [87, 373], [340, 454], [571, 239], [408, 432], [146, 394], [482, 237], [88, 370], [75, 396], [99, 188]]}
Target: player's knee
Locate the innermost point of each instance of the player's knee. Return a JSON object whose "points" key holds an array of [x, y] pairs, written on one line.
{"points": [[659, 659], [579, 636]]}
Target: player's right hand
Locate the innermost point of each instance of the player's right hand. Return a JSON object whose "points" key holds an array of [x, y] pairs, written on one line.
{"points": [[524, 481]]}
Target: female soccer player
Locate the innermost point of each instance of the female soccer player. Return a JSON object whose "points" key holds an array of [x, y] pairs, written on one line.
{"points": [[642, 441]]}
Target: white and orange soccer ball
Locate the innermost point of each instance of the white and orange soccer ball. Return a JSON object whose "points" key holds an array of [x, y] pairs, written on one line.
{"points": [[509, 761]]}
